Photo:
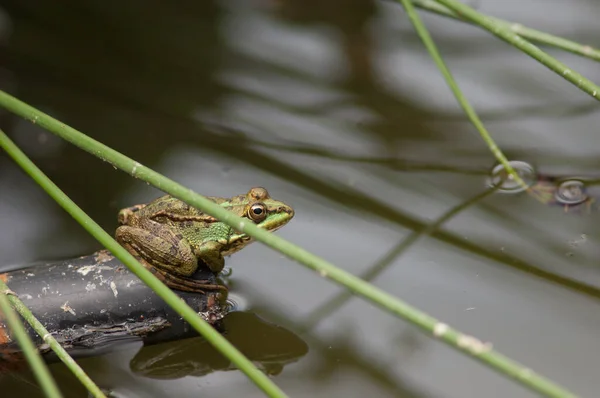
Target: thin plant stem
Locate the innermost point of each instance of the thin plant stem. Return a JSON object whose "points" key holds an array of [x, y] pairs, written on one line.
{"points": [[462, 342], [327, 308], [523, 31], [60, 352], [462, 100], [199, 324], [509, 36], [40, 370]]}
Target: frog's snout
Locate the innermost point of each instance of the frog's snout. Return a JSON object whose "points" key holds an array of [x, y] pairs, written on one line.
{"points": [[290, 213], [287, 210]]}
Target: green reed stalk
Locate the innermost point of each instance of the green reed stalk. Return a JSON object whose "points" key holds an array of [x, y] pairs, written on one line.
{"points": [[327, 308], [60, 352], [462, 342], [462, 100], [40, 370], [506, 34], [523, 31]]}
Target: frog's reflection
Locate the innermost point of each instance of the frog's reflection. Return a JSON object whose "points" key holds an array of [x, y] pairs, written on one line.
{"points": [[268, 346]]}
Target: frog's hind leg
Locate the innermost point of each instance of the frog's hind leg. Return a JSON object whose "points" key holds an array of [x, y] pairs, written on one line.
{"points": [[159, 246], [165, 253]]}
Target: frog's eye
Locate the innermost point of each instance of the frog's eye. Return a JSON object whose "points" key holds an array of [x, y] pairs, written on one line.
{"points": [[257, 212]]}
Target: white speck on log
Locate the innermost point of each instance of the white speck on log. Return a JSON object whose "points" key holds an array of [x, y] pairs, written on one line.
{"points": [[67, 308], [86, 269], [90, 287]]}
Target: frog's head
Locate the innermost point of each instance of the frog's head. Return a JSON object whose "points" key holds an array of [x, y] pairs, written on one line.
{"points": [[265, 212], [257, 206]]}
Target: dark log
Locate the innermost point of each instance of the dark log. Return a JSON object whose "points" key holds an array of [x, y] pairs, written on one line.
{"points": [[93, 301]]}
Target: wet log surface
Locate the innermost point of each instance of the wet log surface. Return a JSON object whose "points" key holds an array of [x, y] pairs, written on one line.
{"points": [[91, 302]]}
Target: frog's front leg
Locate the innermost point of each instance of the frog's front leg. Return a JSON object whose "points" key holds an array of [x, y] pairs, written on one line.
{"points": [[159, 246], [210, 253]]}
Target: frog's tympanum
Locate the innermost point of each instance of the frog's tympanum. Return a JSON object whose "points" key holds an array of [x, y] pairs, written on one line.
{"points": [[171, 238]]}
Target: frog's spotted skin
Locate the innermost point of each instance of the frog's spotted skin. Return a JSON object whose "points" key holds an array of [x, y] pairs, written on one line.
{"points": [[170, 238]]}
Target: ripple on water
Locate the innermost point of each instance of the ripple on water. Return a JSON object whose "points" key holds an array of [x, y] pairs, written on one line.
{"points": [[500, 178], [571, 192]]}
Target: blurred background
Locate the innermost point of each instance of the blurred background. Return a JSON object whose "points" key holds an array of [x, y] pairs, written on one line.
{"points": [[337, 109]]}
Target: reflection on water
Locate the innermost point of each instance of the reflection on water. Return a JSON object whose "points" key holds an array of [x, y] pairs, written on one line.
{"points": [[335, 107], [268, 346]]}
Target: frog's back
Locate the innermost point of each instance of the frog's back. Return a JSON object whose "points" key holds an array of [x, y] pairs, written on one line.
{"points": [[172, 205]]}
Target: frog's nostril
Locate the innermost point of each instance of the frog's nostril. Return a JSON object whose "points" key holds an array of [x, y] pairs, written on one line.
{"points": [[290, 212]]}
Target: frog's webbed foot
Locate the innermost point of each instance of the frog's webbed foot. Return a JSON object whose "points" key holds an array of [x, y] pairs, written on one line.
{"points": [[187, 284]]}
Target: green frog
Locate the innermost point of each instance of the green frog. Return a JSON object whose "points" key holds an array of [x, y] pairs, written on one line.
{"points": [[171, 238]]}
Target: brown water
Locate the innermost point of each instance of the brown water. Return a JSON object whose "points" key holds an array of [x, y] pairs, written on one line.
{"points": [[337, 109]]}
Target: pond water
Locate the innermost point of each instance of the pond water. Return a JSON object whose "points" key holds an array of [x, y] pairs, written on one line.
{"points": [[338, 110]]}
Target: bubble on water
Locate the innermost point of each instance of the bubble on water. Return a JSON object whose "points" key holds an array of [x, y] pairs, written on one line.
{"points": [[571, 192], [500, 178]]}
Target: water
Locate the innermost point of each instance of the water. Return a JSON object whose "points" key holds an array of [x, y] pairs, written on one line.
{"points": [[340, 112]]}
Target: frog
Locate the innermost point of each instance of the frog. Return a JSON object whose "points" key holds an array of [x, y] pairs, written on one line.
{"points": [[173, 239]]}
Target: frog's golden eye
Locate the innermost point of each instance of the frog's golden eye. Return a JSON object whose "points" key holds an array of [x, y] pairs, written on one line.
{"points": [[257, 212]]}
